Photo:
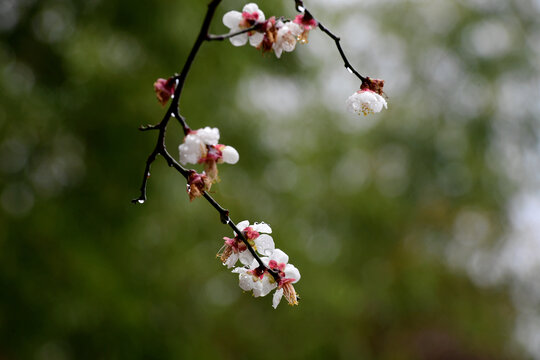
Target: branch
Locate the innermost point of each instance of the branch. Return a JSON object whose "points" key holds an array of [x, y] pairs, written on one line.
{"points": [[299, 4], [337, 40], [172, 111], [211, 37]]}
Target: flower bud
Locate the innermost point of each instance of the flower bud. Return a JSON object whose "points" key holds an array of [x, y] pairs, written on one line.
{"points": [[197, 184], [164, 89]]}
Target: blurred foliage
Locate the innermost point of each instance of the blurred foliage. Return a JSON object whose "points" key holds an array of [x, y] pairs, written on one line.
{"points": [[369, 209]]}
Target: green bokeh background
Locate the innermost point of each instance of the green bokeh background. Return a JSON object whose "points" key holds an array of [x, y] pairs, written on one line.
{"points": [[365, 207]]}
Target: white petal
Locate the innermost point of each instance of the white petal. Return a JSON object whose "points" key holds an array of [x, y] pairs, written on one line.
{"points": [[242, 225], [257, 289], [279, 256], [190, 150], [290, 43], [232, 19], [253, 265], [262, 228], [246, 283], [265, 244], [230, 155], [231, 261], [239, 40], [277, 298], [295, 29], [261, 18], [381, 101], [291, 272], [267, 285], [256, 38], [245, 257], [208, 135], [277, 50], [250, 8]]}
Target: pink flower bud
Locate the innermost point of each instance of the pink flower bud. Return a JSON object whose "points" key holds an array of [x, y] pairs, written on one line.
{"points": [[250, 233], [164, 89], [309, 23]]}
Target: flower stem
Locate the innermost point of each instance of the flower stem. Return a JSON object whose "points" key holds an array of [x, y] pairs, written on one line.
{"points": [[299, 4], [211, 37]]}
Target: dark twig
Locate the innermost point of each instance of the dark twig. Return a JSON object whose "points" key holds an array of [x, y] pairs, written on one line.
{"points": [[299, 4], [211, 37], [337, 40]]}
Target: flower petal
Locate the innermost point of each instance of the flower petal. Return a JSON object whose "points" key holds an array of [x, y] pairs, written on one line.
{"points": [[239, 40], [279, 256], [266, 285], [251, 8], [265, 244], [242, 225], [190, 150], [262, 228], [256, 39], [261, 17], [230, 155], [232, 19], [208, 135], [231, 261], [291, 272], [245, 257], [277, 298], [277, 50]]}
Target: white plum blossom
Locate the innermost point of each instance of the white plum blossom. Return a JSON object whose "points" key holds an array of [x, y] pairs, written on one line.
{"points": [[255, 280], [194, 146], [238, 21], [261, 282], [366, 102], [287, 36], [288, 273], [201, 147], [257, 236]]}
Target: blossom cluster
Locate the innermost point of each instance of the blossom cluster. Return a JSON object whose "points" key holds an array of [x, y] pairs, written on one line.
{"points": [[369, 99], [271, 34], [276, 273], [201, 147], [280, 35]]}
